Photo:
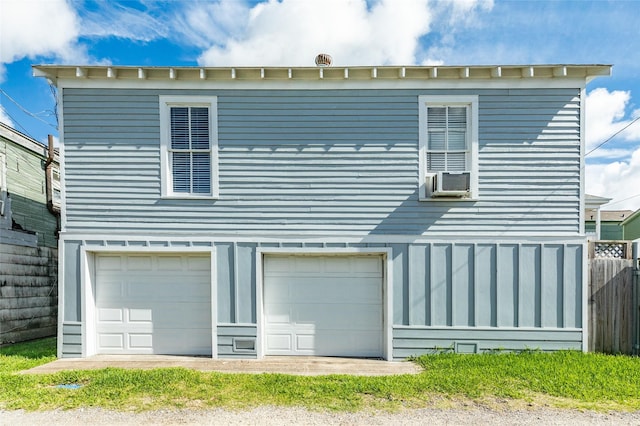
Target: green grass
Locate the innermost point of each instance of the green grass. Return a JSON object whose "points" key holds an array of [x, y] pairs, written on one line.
{"points": [[562, 379]]}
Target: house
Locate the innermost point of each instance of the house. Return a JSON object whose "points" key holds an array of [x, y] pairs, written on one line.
{"points": [[610, 224], [340, 211], [29, 210], [631, 226], [593, 224]]}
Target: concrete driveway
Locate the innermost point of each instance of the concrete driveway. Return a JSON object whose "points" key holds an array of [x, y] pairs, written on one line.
{"points": [[296, 365]]}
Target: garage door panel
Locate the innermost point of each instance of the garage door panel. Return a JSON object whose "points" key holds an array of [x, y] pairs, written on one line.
{"points": [[171, 263], [153, 304], [323, 305], [140, 340], [111, 341], [140, 263], [278, 293], [158, 291], [279, 343], [140, 315], [110, 289], [109, 263], [110, 315], [279, 313], [322, 290], [364, 317], [161, 315]]}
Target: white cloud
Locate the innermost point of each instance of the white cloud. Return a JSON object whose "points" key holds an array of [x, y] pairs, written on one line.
{"points": [[206, 24], [463, 10], [29, 28], [4, 117], [112, 19], [605, 115], [291, 32], [617, 180]]}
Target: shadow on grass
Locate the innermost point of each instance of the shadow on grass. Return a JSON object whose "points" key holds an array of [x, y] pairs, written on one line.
{"points": [[33, 349]]}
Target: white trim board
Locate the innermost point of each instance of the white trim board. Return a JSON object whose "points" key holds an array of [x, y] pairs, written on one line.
{"points": [[569, 83], [137, 240]]}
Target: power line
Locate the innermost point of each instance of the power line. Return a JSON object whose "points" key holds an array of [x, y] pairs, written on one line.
{"points": [[17, 123], [614, 135], [624, 199], [23, 109]]}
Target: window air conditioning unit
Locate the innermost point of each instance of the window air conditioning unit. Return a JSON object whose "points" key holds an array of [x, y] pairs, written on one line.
{"points": [[451, 184]]}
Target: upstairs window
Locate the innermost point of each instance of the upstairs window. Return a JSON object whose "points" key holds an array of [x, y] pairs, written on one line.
{"points": [[189, 147], [448, 144]]}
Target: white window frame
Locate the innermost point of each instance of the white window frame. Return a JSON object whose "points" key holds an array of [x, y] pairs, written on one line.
{"points": [[425, 101], [166, 102]]}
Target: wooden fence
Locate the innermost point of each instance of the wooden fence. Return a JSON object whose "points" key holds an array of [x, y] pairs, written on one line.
{"points": [[613, 303], [28, 292]]}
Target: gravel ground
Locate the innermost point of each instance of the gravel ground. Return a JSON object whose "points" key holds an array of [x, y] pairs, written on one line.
{"points": [[299, 416]]}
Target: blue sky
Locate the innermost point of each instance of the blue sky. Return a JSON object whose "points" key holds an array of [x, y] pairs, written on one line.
{"points": [[354, 32]]}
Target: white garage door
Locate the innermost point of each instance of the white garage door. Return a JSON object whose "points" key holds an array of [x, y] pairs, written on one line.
{"points": [[153, 304], [323, 305]]}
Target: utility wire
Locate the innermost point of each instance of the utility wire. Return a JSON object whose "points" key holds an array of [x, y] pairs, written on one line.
{"points": [[29, 113], [624, 199], [25, 131], [614, 135]]}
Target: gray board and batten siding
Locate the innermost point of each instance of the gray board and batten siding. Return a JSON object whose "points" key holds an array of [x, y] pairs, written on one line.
{"points": [[323, 161], [467, 296], [324, 169]]}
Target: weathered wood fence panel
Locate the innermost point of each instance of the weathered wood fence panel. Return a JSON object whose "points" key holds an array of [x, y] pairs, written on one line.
{"points": [[28, 292], [612, 308]]}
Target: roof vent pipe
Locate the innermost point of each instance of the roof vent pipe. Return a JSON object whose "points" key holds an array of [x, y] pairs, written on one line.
{"points": [[323, 60]]}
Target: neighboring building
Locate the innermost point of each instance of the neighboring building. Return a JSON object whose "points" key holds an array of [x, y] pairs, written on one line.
{"points": [[593, 225], [29, 209], [631, 226], [366, 211], [610, 223], [24, 214]]}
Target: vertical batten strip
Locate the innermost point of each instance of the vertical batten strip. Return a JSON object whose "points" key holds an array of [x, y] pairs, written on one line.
{"points": [[539, 287], [433, 72], [236, 298], [111, 73], [450, 287], [561, 293], [233, 73], [475, 287], [203, 74], [141, 74], [428, 315], [516, 286], [411, 283], [172, 73], [289, 73], [374, 72], [346, 73], [496, 301]]}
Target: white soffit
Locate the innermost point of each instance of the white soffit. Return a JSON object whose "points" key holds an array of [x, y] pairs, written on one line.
{"points": [[415, 75]]}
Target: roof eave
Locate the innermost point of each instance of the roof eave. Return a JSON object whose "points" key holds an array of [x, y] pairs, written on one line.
{"points": [[360, 73]]}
